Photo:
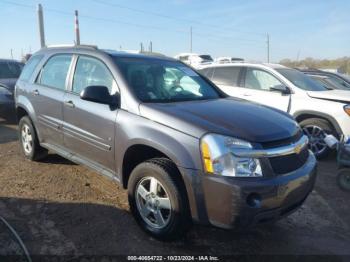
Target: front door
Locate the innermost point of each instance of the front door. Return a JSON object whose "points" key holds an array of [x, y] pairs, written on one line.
{"points": [[89, 128], [258, 87]]}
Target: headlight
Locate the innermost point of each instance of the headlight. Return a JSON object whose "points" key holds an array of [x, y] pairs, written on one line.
{"points": [[218, 157], [347, 109]]}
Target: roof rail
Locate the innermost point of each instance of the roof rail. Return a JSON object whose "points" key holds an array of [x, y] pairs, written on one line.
{"points": [[71, 45]]}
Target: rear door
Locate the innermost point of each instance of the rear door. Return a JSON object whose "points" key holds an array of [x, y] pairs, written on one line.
{"points": [[47, 94], [257, 87], [89, 128]]}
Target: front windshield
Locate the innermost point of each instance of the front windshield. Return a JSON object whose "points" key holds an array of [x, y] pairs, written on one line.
{"points": [[301, 80], [10, 70], [155, 80]]}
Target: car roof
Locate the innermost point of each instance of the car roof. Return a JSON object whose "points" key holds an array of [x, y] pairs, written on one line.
{"points": [[94, 49], [260, 65]]}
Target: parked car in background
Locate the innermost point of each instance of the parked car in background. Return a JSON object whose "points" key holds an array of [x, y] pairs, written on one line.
{"points": [[195, 60], [318, 110], [327, 82], [336, 78], [228, 59], [9, 73], [184, 150]]}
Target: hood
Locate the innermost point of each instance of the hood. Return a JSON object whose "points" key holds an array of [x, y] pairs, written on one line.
{"points": [[229, 116], [333, 95], [9, 83]]}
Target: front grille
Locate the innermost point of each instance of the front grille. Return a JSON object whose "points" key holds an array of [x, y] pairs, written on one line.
{"points": [[285, 164]]}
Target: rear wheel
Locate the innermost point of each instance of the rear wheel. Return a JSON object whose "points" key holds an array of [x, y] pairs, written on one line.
{"points": [[316, 129], [343, 179], [29, 141], [158, 200]]}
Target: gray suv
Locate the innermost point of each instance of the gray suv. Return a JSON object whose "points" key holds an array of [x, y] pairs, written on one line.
{"points": [[184, 150]]}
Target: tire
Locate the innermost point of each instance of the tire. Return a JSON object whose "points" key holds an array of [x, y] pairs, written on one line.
{"points": [[325, 128], [343, 179], [177, 219], [29, 142]]}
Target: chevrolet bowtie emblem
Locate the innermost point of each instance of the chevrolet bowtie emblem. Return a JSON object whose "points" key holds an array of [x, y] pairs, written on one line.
{"points": [[297, 149]]}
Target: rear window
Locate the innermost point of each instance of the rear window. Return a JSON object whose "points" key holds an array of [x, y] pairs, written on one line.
{"points": [[54, 73], [30, 67], [226, 76], [10, 69]]}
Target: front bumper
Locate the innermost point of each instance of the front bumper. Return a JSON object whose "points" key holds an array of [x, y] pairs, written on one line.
{"points": [[230, 202]]}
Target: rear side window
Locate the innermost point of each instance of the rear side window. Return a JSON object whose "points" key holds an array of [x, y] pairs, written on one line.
{"points": [[208, 72], [30, 67], [226, 76], [54, 73], [92, 72]]}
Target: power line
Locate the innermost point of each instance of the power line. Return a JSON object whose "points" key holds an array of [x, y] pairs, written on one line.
{"points": [[172, 17], [132, 24]]}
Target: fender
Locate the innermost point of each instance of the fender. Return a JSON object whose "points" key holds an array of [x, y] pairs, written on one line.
{"points": [[132, 130], [24, 103], [331, 119]]}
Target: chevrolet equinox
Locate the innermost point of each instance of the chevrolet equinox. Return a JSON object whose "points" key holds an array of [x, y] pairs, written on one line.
{"points": [[185, 151]]}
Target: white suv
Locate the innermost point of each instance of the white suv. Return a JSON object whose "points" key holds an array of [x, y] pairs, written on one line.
{"points": [[318, 110], [195, 60]]}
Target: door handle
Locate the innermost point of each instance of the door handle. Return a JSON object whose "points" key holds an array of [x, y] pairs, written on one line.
{"points": [[36, 92], [247, 94], [69, 103]]}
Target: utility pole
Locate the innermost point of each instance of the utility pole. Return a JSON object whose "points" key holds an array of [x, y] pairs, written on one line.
{"points": [[77, 32], [41, 26], [191, 39], [268, 47], [150, 49]]}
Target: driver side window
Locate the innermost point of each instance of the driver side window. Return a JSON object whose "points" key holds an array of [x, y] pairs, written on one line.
{"points": [[260, 80]]}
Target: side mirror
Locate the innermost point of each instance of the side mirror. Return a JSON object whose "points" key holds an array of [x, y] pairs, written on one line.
{"points": [[98, 94], [280, 88]]}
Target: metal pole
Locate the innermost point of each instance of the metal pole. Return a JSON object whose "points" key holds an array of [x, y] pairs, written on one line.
{"points": [[11, 53], [77, 32], [191, 39], [41, 26], [268, 48]]}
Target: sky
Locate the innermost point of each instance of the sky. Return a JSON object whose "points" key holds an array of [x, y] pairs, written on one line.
{"points": [[239, 28]]}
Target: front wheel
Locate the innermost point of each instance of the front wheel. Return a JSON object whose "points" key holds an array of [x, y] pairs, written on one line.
{"points": [[316, 130], [343, 179], [158, 200]]}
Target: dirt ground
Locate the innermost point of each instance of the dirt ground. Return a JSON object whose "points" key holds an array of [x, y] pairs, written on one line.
{"points": [[60, 208]]}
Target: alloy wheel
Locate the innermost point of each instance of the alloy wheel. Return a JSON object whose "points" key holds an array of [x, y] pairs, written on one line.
{"points": [[153, 202], [316, 137], [27, 139]]}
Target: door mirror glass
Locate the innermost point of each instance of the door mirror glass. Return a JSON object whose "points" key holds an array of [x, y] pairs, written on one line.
{"points": [[97, 94], [280, 88]]}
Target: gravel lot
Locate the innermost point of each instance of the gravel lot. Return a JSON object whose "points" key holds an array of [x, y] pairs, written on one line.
{"points": [[59, 208]]}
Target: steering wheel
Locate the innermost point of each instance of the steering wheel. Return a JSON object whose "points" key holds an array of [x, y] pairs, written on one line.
{"points": [[173, 88]]}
